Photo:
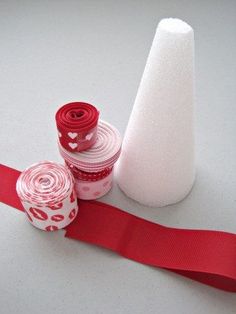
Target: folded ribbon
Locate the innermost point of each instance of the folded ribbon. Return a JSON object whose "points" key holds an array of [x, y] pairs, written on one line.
{"points": [[77, 126], [205, 256]]}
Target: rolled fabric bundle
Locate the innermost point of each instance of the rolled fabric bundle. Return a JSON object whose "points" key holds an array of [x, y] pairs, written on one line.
{"points": [[92, 185], [157, 166], [46, 191], [93, 168], [77, 126]]}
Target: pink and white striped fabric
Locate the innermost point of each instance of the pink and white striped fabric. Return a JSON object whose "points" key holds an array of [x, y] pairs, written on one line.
{"points": [[46, 190]]}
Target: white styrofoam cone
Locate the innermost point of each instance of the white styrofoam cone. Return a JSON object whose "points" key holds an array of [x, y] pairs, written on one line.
{"points": [[156, 166]]}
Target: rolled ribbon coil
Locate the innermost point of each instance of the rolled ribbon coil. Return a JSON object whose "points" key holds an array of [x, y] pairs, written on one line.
{"points": [[96, 162], [91, 190], [92, 185], [46, 191], [77, 126]]}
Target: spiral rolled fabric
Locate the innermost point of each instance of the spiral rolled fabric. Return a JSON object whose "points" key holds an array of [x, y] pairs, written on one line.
{"points": [[92, 185], [77, 125], [46, 191], [93, 168]]}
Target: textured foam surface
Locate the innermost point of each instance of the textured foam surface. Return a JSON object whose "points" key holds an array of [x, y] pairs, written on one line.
{"points": [[156, 166]]}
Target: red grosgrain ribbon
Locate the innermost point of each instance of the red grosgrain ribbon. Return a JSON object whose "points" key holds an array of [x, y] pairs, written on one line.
{"points": [[77, 126], [46, 191], [205, 256]]}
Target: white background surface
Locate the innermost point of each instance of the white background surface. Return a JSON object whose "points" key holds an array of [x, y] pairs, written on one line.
{"points": [[53, 52]]}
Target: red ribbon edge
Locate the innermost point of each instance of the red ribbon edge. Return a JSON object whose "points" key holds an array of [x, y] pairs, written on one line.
{"points": [[202, 255]]}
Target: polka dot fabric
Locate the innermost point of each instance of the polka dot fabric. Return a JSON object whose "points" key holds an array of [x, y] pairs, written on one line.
{"points": [[93, 168], [89, 190]]}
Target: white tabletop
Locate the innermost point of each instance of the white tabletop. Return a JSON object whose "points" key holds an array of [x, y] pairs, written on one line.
{"points": [[53, 52]]}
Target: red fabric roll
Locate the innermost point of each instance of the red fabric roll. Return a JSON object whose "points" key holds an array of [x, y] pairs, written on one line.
{"points": [[77, 126]]}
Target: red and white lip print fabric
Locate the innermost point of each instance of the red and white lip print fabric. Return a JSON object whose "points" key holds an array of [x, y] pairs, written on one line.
{"points": [[77, 126], [92, 168], [46, 190]]}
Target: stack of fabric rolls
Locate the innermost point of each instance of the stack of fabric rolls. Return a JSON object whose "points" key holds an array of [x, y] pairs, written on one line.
{"points": [[90, 148]]}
